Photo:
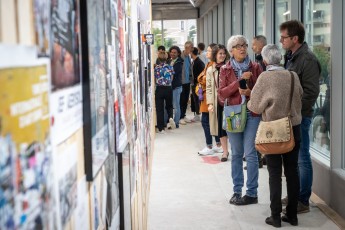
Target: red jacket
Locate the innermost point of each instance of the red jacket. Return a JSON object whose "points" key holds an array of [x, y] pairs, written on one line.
{"points": [[229, 85]]}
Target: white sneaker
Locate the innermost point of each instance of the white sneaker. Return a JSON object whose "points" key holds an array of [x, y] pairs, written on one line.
{"points": [[187, 120], [196, 118], [206, 151], [217, 149], [182, 122], [172, 123], [161, 132]]}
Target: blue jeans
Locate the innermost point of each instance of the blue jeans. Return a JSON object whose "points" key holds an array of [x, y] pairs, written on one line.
{"points": [[176, 104], [304, 163], [244, 143], [205, 122]]}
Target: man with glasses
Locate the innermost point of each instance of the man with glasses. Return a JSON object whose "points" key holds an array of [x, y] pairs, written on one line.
{"points": [[300, 59]]}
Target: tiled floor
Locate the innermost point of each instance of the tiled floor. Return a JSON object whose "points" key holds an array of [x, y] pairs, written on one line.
{"points": [[192, 192]]}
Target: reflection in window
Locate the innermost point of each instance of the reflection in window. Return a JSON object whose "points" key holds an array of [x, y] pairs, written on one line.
{"points": [[282, 14], [318, 36], [259, 22], [245, 19], [233, 18]]}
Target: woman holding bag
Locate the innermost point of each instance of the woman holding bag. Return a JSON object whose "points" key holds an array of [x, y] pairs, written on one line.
{"points": [[240, 67], [219, 57], [273, 97]]}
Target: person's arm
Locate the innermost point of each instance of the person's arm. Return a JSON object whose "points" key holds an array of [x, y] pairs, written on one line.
{"points": [[310, 81], [258, 101], [227, 89]]}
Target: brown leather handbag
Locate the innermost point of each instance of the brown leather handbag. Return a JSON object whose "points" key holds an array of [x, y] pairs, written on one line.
{"points": [[276, 137]]}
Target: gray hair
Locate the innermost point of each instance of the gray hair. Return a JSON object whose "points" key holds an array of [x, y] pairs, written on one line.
{"points": [[262, 39], [234, 40], [271, 54]]}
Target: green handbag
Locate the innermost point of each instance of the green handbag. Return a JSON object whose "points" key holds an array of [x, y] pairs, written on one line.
{"points": [[235, 117]]}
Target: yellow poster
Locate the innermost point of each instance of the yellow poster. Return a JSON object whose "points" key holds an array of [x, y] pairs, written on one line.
{"points": [[25, 152]]}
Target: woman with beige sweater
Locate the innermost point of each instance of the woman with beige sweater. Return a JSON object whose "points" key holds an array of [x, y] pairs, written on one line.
{"points": [[271, 98], [219, 56]]}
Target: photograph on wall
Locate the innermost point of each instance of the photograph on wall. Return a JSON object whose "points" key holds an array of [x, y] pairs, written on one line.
{"points": [[98, 85], [98, 191], [65, 44], [66, 97], [107, 20], [113, 11], [42, 27], [25, 173], [82, 211]]}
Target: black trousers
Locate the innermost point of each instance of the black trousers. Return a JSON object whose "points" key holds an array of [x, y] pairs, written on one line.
{"points": [[184, 99], [195, 104], [290, 162], [163, 94]]}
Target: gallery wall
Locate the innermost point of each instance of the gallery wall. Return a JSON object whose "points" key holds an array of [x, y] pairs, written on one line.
{"points": [[76, 123]]}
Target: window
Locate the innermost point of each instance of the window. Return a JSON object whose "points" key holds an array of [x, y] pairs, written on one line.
{"points": [[282, 14], [318, 37], [260, 18], [182, 25], [233, 18], [245, 18]]}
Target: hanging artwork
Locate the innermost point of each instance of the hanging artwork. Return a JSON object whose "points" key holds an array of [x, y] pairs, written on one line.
{"points": [[25, 149], [42, 26]]}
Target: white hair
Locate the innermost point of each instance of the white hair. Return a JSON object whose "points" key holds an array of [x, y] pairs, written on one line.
{"points": [[271, 54], [235, 40]]}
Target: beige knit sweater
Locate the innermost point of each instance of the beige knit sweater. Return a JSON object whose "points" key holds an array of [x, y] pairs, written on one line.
{"points": [[271, 95]]}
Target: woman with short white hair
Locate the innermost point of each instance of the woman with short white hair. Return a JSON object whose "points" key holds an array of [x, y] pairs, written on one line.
{"points": [[241, 70], [271, 98]]}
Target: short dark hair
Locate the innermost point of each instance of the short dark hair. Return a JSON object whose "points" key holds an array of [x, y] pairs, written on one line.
{"points": [[216, 49], [201, 46], [294, 28], [195, 51], [212, 45], [161, 48], [261, 38], [177, 49]]}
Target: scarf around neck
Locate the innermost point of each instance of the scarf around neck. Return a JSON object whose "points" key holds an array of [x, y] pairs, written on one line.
{"points": [[218, 65], [240, 67]]}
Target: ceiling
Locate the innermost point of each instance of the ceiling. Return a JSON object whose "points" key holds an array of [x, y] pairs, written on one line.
{"points": [[175, 9]]}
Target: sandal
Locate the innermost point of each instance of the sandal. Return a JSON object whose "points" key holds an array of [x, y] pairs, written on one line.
{"points": [[224, 158]]}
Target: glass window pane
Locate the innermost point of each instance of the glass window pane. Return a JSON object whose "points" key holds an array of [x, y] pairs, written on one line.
{"points": [[245, 19], [318, 36], [233, 18], [282, 14], [177, 32], [260, 18], [157, 31]]}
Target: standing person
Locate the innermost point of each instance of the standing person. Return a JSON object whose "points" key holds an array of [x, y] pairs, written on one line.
{"points": [[186, 80], [219, 57], [161, 55], [197, 68], [258, 43], [164, 73], [205, 118], [202, 53], [240, 67], [300, 59], [177, 63], [271, 98]]}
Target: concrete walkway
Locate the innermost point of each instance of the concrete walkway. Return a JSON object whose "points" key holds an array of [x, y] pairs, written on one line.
{"points": [[192, 192]]}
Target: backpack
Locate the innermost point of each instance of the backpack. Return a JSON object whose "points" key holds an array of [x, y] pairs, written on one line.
{"points": [[163, 74]]}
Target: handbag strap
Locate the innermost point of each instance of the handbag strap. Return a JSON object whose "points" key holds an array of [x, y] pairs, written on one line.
{"points": [[291, 91]]}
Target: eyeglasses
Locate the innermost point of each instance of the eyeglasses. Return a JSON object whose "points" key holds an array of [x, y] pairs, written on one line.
{"points": [[238, 46], [285, 37]]}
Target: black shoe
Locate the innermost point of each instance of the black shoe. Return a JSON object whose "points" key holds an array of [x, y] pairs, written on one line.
{"points": [[244, 159], [224, 159], [246, 200], [264, 160], [274, 222], [235, 198], [292, 221]]}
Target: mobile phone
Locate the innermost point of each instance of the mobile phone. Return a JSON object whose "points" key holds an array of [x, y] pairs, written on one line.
{"points": [[243, 84]]}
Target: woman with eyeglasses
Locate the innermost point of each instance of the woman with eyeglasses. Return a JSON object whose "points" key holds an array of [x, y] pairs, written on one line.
{"points": [[240, 70]]}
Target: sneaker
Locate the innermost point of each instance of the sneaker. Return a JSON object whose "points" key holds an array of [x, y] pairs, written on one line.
{"points": [[182, 122], [206, 151], [285, 201], [235, 198], [169, 126], [171, 123], [217, 149], [161, 132], [246, 200], [187, 120], [302, 208], [196, 118]]}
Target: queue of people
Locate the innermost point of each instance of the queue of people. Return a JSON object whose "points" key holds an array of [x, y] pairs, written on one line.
{"points": [[224, 79]]}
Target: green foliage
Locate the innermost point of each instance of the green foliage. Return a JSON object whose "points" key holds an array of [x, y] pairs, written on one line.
{"points": [[192, 32], [324, 57], [168, 42]]}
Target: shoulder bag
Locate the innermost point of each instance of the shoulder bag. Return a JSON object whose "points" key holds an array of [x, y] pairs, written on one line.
{"points": [[276, 137]]}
